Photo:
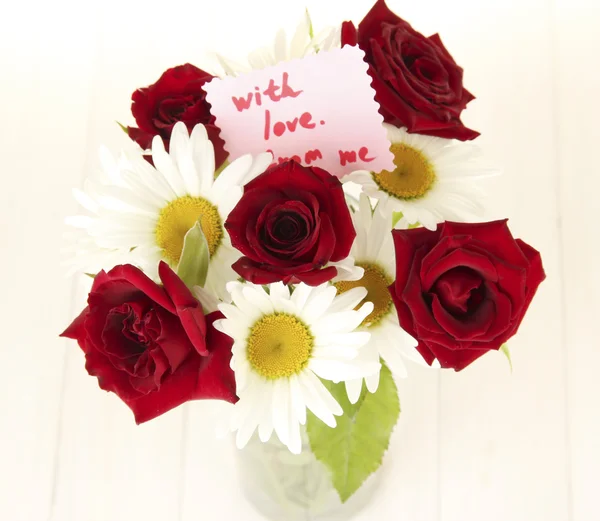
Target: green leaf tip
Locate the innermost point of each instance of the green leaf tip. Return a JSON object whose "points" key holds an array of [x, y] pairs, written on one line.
{"points": [[506, 352], [311, 31], [396, 216], [123, 128], [354, 449], [195, 257]]}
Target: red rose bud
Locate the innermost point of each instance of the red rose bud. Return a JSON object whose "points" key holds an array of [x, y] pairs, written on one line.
{"points": [[291, 221], [463, 289], [176, 96], [151, 345], [417, 83]]}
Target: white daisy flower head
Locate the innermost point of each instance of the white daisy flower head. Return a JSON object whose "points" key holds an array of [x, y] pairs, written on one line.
{"points": [[140, 213], [435, 179], [284, 342], [373, 250], [303, 43]]}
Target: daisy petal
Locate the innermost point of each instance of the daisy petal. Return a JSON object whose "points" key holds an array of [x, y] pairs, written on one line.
{"points": [[348, 300], [354, 388], [232, 175], [314, 402], [203, 154], [324, 395], [280, 410], [166, 166], [257, 296], [180, 150], [372, 382], [297, 402]]}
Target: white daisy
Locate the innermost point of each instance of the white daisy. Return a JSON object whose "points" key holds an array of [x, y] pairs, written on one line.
{"points": [[373, 250], [303, 43], [140, 213], [282, 345], [434, 180]]}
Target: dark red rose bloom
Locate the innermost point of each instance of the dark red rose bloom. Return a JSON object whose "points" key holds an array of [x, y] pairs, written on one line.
{"points": [[151, 345], [176, 96], [291, 221], [417, 83], [463, 289]]}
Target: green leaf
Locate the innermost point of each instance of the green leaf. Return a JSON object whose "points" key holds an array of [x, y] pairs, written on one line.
{"points": [[311, 31], [354, 449], [193, 263], [396, 216], [506, 351], [123, 128]]}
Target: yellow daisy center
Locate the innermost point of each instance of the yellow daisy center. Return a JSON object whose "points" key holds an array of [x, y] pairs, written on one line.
{"points": [[413, 176], [176, 219], [376, 282], [279, 346]]}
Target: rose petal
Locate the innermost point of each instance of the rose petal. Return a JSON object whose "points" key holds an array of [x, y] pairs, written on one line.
{"points": [[535, 273], [379, 14], [199, 378], [449, 253], [495, 235], [317, 276], [109, 378], [327, 240], [457, 289], [188, 309], [173, 340], [76, 328], [468, 328], [454, 358], [349, 34], [138, 279], [241, 222], [406, 243]]}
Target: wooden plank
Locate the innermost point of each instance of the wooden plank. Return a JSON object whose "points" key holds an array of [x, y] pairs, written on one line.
{"points": [[409, 487], [503, 452], [577, 85], [45, 87], [109, 468]]}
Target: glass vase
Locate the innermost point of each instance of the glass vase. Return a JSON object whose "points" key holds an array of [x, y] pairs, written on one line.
{"points": [[286, 487]]}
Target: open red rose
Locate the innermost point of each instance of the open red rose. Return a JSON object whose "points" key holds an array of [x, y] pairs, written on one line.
{"points": [[291, 221], [151, 345], [463, 289], [176, 96], [417, 83]]}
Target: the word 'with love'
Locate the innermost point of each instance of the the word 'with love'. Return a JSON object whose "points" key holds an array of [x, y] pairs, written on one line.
{"points": [[319, 110]]}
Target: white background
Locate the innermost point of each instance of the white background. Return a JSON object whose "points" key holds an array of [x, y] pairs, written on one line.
{"points": [[480, 445]]}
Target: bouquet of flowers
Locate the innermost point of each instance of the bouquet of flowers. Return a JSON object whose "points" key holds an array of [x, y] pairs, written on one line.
{"points": [[291, 286]]}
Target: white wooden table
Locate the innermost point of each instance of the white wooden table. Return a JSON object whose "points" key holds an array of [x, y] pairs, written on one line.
{"points": [[481, 445]]}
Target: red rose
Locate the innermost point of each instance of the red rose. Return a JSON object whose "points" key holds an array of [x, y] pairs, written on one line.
{"points": [[417, 83], [176, 96], [291, 221], [150, 345], [463, 289]]}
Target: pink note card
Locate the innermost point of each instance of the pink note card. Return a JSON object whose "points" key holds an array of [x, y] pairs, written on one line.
{"points": [[319, 110]]}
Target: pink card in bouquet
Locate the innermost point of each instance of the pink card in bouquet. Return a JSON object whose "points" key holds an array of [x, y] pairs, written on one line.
{"points": [[319, 110]]}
